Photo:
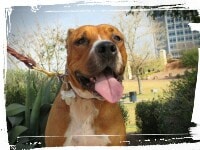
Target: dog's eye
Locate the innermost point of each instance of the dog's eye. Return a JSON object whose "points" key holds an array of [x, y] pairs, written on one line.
{"points": [[81, 41], [117, 38]]}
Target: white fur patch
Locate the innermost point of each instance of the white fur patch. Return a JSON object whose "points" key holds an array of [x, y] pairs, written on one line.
{"points": [[119, 61], [80, 131], [68, 96], [96, 43], [99, 37], [119, 56]]}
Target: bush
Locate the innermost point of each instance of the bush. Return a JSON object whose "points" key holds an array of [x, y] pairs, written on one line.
{"points": [[190, 58], [15, 87], [147, 116], [176, 113], [171, 113], [28, 116], [124, 112]]}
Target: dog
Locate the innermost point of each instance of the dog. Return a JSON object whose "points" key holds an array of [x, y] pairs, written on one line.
{"points": [[86, 112]]}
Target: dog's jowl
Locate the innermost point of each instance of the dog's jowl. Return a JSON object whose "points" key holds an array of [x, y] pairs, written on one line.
{"points": [[86, 110]]}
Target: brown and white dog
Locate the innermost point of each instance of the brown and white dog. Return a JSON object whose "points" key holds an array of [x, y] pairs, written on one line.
{"points": [[86, 111]]}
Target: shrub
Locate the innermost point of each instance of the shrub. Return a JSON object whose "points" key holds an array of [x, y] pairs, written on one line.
{"points": [[124, 112], [147, 116], [15, 87], [190, 58], [172, 112], [29, 117], [176, 113]]}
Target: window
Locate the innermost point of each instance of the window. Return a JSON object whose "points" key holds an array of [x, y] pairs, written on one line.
{"points": [[169, 14], [186, 25], [197, 36], [173, 46], [178, 19], [172, 40], [178, 26], [188, 38], [172, 33], [188, 31], [170, 20], [170, 27], [176, 54], [179, 32], [196, 32], [180, 39]]}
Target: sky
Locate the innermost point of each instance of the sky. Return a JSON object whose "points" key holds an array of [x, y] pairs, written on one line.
{"points": [[23, 20], [68, 16]]}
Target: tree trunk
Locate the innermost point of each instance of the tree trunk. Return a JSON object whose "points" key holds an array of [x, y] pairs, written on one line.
{"points": [[139, 83]]}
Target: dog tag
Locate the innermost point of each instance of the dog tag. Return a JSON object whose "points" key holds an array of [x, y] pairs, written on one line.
{"points": [[68, 96]]}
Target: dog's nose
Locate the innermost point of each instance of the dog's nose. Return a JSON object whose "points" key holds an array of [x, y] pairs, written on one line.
{"points": [[106, 49]]}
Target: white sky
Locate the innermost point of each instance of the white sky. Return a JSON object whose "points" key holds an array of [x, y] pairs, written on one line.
{"points": [[23, 19], [68, 16]]}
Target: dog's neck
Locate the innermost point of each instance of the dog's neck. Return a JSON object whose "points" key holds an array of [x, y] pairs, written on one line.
{"points": [[68, 86], [69, 92], [81, 129], [83, 93], [82, 114]]}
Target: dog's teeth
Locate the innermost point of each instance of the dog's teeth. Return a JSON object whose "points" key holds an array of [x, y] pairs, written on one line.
{"points": [[93, 79]]}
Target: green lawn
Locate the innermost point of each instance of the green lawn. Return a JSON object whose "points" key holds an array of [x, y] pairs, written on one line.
{"points": [[131, 125], [147, 85]]}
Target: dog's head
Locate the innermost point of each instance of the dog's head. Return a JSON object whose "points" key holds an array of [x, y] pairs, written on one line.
{"points": [[96, 59]]}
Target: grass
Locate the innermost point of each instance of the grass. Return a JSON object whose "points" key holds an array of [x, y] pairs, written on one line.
{"points": [[131, 125], [147, 86]]}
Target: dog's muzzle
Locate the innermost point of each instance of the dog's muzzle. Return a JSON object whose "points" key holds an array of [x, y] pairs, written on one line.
{"points": [[104, 54], [106, 50], [103, 77]]}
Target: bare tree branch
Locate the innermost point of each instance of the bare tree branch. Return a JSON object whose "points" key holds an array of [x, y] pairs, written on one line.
{"points": [[136, 27], [45, 44]]}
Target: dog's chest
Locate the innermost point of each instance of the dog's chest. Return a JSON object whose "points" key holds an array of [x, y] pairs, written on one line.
{"points": [[81, 131]]}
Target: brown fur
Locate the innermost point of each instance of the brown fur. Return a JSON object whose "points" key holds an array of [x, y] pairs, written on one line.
{"points": [[108, 113], [109, 120]]}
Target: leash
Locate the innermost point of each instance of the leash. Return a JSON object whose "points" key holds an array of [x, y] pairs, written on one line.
{"points": [[31, 64]]}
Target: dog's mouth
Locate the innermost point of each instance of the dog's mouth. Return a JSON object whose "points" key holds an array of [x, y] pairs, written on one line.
{"points": [[106, 84]]}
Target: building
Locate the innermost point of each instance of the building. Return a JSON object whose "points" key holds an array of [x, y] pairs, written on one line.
{"points": [[179, 35]]}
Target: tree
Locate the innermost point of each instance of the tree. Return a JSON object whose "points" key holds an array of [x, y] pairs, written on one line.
{"points": [[139, 31], [46, 45], [192, 15]]}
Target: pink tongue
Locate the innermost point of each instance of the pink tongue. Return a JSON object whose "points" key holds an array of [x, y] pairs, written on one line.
{"points": [[109, 88]]}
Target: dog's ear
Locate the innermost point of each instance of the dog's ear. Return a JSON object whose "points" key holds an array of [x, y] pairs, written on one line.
{"points": [[68, 34]]}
